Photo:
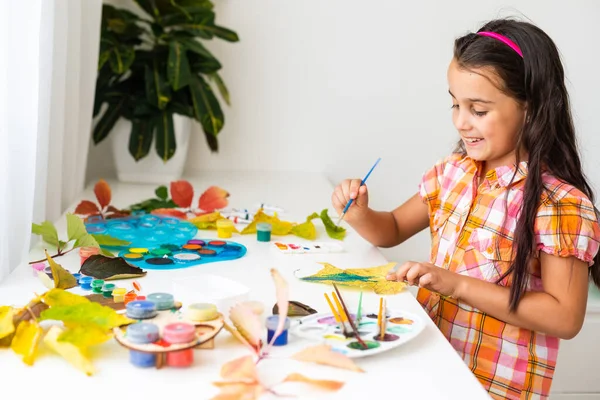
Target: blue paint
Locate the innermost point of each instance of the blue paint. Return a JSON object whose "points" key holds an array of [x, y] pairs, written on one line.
{"points": [[78, 277], [263, 231], [141, 309], [163, 301], [86, 282], [272, 323], [142, 333]]}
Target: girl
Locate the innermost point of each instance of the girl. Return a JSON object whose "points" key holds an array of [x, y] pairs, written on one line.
{"points": [[513, 226]]}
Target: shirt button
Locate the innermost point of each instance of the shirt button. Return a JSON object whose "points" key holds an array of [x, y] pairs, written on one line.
{"points": [[490, 250]]}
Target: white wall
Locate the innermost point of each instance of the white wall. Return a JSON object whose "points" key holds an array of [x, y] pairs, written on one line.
{"points": [[331, 85]]}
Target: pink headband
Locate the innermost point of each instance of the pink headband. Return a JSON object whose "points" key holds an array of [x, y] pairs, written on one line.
{"points": [[504, 40]]}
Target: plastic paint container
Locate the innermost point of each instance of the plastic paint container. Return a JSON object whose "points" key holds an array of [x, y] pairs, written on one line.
{"points": [[119, 295], [200, 312], [163, 301], [224, 228], [263, 231], [107, 289], [87, 252], [272, 322], [140, 297], [141, 309], [179, 332], [86, 282], [78, 277], [142, 333], [38, 267], [97, 285], [129, 297]]}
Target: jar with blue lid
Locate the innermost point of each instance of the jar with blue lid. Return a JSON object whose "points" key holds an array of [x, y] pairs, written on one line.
{"points": [[142, 333]]}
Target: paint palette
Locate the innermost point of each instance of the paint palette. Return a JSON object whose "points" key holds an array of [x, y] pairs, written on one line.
{"points": [[144, 230], [314, 248], [174, 256], [401, 327]]}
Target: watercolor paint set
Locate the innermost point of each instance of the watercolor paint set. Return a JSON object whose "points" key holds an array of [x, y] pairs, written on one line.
{"points": [[308, 248]]}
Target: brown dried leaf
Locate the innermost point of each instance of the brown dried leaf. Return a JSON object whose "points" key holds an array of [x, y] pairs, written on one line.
{"points": [[102, 192], [241, 369], [323, 384], [86, 207]]}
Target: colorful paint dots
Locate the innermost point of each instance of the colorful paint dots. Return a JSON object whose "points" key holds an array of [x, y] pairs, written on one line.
{"points": [[138, 250], [160, 252], [387, 337], [401, 321], [133, 256], [217, 243], [207, 252], [197, 241], [191, 247], [186, 257], [357, 346], [159, 261], [168, 246]]}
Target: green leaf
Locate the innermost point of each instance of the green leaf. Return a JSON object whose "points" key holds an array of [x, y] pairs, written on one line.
{"points": [[63, 279], [108, 120], [225, 33], [334, 231], [86, 241], [60, 297], [121, 58], [221, 85], [162, 192], [207, 109], [165, 136], [150, 7], [107, 240], [110, 268], [140, 139], [194, 46], [103, 58], [206, 65], [48, 232], [68, 351], [157, 89], [178, 70], [91, 313], [75, 227], [84, 336], [106, 252], [201, 24]]}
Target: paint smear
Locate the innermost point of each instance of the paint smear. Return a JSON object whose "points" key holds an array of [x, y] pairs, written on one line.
{"points": [[374, 316], [335, 337], [387, 337], [357, 346], [401, 321], [401, 329], [331, 320]]}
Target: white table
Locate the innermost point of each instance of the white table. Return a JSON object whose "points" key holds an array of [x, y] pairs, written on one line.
{"points": [[427, 367]]}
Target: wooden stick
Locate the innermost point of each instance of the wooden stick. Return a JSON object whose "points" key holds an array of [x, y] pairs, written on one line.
{"points": [[333, 311], [363, 344], [344, 317], [383, 320], [379, 314]]}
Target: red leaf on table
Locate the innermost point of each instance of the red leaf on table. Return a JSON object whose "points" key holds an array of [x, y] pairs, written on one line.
{"points": [[214, 198], [182, 193], [170, 212], [86, 207], [102, 192]]}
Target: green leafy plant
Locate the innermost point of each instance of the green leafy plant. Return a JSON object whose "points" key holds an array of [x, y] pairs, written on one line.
{"points": [[152, 66]]}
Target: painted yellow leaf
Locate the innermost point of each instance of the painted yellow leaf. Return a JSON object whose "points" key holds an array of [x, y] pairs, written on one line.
{"points": [[208, 221], [6, 321], [306, 229], [241, 369], [26, 340], [279, 227], [323, 384], [73, 354], [84, 336], [362, 278], [322, 354], [63, 279], [86, 314], [60, 297]]}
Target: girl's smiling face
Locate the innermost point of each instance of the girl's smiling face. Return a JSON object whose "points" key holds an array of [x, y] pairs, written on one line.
{"points": [[488, 120]]}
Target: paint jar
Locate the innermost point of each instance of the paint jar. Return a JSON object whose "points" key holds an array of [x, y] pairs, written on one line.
{"points": [[86, 282], [225, 228], [119, 295], [200, 312], [38, 267], [140, 297], [263, 231], [142, 333], [87, 252], [97, 285], [48, 271], [107, 289], [141, 309], [272, 322], [129, 297], [77, 277], [179, 332], [163, 301]]}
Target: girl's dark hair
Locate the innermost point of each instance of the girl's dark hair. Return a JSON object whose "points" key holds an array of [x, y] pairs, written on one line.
{"points": [[537, 81]]}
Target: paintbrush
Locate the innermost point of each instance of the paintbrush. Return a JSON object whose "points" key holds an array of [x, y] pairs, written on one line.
{"points": [[362, 343], [359, 311], [361, 183]]}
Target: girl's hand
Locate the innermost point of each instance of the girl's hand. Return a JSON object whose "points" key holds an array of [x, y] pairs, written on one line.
{"points": [[350, 189], [429, 276]]}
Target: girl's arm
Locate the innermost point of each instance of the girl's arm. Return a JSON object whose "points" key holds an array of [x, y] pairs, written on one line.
{"points": [[388, 229], [558, 311]]}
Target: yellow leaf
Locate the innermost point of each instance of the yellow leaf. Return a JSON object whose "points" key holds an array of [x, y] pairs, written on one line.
{"points": [[323, 384], [84, 336], [279, 227], [68, 351], [239, 391], [26, 340], [306, 230], [6, 321], [63, 279], [207, 221], [322, 354], [59, 297], [86, 314]]}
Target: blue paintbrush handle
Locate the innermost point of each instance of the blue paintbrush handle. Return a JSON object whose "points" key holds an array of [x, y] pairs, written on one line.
{"points": [[361, 183]]}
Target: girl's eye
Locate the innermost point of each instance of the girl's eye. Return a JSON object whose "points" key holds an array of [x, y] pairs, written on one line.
{"points": [[480, 113], [454, 106]]}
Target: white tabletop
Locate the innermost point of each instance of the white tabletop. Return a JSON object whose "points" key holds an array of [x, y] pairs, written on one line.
{"points": [[426, 367]]}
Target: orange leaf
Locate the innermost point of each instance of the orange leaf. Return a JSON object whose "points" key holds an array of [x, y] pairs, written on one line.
{"points": [[241, 369], [102, 192], [247, 324], [86, 207], [323, 384], [214, 198], [182, 193], [239, 391], [170, 212], [322, 354]]}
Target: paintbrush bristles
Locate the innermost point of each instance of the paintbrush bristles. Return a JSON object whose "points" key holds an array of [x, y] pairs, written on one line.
{"points": [[333, 311]]}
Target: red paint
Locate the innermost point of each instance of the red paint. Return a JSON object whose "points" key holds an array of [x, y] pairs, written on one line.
{"points": [[180, 332]]}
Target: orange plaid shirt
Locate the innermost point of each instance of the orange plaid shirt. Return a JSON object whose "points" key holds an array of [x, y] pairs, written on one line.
{"points": [[465, 221]]}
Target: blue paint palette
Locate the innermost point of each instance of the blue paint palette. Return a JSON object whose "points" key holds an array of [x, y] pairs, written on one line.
{"points": [[193, 252]]}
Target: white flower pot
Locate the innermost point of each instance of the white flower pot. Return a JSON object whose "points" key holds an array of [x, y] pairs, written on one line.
{"points": [[150, 169]]}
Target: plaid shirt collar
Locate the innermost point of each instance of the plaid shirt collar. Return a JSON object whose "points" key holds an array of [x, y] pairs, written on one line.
{"points": [[500, 176]]}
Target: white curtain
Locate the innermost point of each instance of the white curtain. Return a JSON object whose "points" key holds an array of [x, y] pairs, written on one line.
{"points": [[49, 54]]}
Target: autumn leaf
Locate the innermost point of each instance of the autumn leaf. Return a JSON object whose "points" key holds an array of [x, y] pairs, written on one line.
{"points": [[213, 198], [26, 340], [68, 351], [48, 232], [60, 297], [6, 321], [247, 325], [171, 212], [110, 268], [334, 231], [239, 391], [207, 221], [86, 314], [87, 207], [306, 230], [322, 354], [63, 279], [282, 294], [323, 384], [102, 192], [241, 380], [84, 336], [279, 227], [241, 369], [182, 193]]}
